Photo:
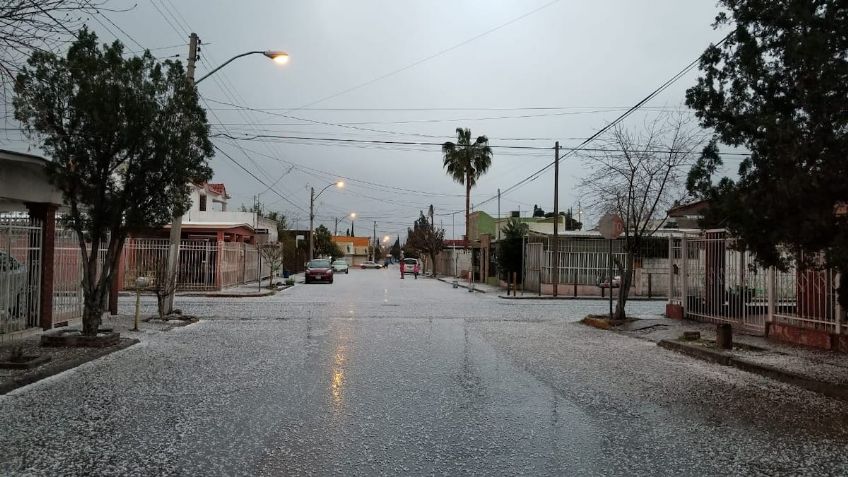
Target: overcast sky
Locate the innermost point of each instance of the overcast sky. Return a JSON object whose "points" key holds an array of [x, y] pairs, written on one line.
{"points": [[414, 71]]}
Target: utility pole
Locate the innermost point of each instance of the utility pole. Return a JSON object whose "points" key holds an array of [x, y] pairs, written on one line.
{"points": [[499, 215], [311, 221], [556, 218], [580, 214], [374, 250], [177, 221]]}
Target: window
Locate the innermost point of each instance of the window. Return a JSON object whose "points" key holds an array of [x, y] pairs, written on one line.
{"points": [[202, 202]]}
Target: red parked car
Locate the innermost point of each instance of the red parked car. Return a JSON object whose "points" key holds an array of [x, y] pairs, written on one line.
{"points": [[319, 271]]}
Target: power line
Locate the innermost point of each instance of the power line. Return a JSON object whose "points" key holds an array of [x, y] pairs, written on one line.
{"points": [[416, 143], [439, 120], [258, 179], [448, 109], [375, 186], [430, 57], [606, 128]]}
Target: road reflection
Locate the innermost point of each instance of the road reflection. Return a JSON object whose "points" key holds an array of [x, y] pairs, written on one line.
{"points": [[337, 380]]}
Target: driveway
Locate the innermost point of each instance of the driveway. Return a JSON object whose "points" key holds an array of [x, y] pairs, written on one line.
{"points": [[377, 375]]}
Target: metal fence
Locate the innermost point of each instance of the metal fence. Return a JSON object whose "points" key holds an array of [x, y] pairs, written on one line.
{"points": [[808, 299], [583, 263], [716, 281], [67, 276], [202, 265], [20, 272]]}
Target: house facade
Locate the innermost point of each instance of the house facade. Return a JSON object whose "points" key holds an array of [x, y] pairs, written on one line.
{"points": [[355, 248]]}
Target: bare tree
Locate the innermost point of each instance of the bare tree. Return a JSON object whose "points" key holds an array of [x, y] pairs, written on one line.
{"points": [[27, 26], [639, 175], [274, 256]]}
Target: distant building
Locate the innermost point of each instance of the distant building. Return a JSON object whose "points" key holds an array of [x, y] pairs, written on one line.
{"points": [[208, 219], [354, 248]]}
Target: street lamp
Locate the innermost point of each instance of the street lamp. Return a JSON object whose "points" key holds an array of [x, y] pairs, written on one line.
{"points": [[352, 216], [312, 197], [279, 57]]}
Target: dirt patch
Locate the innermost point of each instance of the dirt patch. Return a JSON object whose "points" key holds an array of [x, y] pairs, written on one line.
{"points": [[53, 360], [603, 322]]}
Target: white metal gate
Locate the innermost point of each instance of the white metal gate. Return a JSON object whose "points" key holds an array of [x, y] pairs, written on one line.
{"points": [[533, 267], [722, 284], [20, 272]]}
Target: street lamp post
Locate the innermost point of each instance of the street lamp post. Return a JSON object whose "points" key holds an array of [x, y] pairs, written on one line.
{"points": [[352, 216], [280, 57], [312, 197]]}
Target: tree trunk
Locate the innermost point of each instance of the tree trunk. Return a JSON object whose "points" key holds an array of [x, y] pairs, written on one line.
{"points": [[91, 317], [433, 263], [624, 287], [96, 286], [92, 305]]}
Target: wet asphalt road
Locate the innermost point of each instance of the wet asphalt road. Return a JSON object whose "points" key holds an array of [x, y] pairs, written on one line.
{"points": [[373, 375]]}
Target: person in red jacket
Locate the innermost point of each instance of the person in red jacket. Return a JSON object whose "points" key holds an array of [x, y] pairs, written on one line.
{"points": [[416, 269], [402, 269]]}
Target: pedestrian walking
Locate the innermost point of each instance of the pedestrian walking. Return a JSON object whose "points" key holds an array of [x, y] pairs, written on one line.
{"points": [[416, 269], [402, 269]]}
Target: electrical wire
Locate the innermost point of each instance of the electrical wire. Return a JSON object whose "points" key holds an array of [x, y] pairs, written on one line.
{"points": [[606, 128]]}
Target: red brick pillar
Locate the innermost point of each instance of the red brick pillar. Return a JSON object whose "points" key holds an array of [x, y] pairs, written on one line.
{"points": [[46, 214]]}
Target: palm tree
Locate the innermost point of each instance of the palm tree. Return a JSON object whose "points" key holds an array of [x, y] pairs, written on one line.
{"points": [[466, 161]]}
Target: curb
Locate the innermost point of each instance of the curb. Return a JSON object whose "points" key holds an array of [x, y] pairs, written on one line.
{"points": [[211, 295], [49, 370], [698, 352], [838, 391], [571, 297], [228, 295], [459, 284]]}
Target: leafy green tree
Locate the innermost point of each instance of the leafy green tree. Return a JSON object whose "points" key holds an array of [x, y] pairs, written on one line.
{"points": [[466, 161], [126, 136], [510, 248], [778, 86], [395, 250], [570, 222], [278, 217], [425, 239], [324, 245], [538, 211]]}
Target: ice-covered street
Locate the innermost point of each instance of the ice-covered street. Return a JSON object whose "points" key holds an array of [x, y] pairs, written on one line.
{"points": [[374, 375]]}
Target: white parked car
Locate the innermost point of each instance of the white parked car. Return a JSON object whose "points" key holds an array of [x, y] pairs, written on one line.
{"points": [[13, 277], [340, 266], [411, 266]]}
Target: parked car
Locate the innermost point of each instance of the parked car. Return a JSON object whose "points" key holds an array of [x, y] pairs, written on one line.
{"points": [[319, 270], [369, 264], [340, 266], [13, 276], [411, 266], [604, 283]]}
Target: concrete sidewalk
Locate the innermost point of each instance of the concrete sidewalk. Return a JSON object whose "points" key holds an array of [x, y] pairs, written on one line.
{"points": [[478, 287], [250, 290], [818, 370]]}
